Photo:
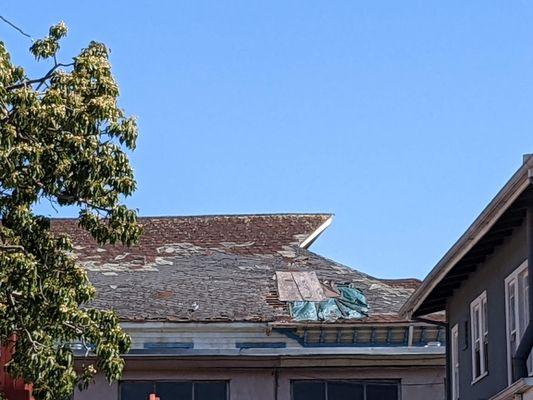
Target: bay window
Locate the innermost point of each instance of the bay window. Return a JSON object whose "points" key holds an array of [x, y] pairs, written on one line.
{"points": [[516, 313], [480, 337]]}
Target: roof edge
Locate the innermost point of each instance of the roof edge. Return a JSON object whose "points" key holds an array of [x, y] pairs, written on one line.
{"points": [[520, 180], [288, 214], [318, 231]]}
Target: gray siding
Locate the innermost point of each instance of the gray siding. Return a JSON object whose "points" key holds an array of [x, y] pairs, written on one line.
{"points": [[489, 276]]}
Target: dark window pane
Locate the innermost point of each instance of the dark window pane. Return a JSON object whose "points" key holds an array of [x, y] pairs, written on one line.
{"points": [[174, 390], [308, 390], [209, 391], [345, 391], [135, 390], [382, 392]]}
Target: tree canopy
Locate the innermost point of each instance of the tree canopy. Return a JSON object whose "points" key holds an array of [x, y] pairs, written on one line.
{"points": [[63, 139]]}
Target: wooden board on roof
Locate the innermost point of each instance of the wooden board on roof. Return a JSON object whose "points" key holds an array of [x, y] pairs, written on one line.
{"points": [[299, 286]]}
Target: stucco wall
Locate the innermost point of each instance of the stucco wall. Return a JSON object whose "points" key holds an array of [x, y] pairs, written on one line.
{"points": [[418, 383], [528, 394], [489, 276]]}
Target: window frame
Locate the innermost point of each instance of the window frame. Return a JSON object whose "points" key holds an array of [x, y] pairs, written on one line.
{"points": [[520, 308], [454, 360], [363, 382], [479, 336], [193, 382]]}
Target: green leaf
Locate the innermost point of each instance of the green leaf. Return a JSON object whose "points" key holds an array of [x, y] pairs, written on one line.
{"points": [[63, 139]]}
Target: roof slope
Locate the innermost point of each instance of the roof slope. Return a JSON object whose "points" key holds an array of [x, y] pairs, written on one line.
{"points": [[217, 286], [235, 234], [221, 268], [504, 213]]}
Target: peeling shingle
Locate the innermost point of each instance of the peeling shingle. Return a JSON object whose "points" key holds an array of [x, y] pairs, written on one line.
{"points": [[218, 268]]}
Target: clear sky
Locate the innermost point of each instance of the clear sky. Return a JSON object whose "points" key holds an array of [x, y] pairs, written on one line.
{"points": [[403, 118]]}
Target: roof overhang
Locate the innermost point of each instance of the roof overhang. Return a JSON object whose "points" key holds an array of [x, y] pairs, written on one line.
{"points": [[520, 387], [287, 358], [318, 231], [471, 244]]}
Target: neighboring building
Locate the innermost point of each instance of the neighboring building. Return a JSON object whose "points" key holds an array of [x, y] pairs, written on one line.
{"points": [[13, 389], [237, 307], [483, 283]]}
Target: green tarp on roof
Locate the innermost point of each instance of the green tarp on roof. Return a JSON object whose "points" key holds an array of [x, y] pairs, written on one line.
{"points": [[350, 304]]}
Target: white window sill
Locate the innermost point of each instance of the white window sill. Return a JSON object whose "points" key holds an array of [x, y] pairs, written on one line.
{"points": [[480, 377]]}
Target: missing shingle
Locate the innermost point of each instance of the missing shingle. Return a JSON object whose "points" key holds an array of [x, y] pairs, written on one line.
{"points": [[163, 294]]}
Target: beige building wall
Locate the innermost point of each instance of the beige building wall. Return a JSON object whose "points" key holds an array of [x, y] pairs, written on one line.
{"points": [[266, 374], [417, 383]]}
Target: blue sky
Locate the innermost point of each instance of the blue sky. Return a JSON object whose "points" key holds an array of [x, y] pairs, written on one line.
{"points": [[402, 118]]}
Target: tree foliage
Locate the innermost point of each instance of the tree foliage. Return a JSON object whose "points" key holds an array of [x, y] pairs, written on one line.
{"points": [[63, 139]]}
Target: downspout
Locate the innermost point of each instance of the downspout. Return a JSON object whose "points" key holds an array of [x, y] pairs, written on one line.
{"points": [[447, 379], [276, 383], [521, 355]]}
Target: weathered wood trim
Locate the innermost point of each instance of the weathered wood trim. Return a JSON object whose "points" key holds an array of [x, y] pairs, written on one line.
{"points": [[313, 236]]}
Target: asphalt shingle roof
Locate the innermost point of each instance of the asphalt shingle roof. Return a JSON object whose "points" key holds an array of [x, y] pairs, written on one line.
{"points": [[218, 268]]}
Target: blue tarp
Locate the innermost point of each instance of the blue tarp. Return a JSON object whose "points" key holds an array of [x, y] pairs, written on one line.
{"points": [[350, 304], [328, 310], [304, 311]]}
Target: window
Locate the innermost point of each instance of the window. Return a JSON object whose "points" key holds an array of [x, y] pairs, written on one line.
{"points": [[480, 337], [344, 390], [168, 390], [455, 362], [516, 313]]}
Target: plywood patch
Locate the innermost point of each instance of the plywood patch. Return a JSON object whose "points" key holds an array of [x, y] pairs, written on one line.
{"points": [[299, 286]]}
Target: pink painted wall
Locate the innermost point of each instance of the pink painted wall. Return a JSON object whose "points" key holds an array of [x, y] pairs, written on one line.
{"points": [[13, 389]]}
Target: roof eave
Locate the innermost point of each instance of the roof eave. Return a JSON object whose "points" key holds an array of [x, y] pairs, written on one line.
{"points": [[488, 217], [318, 231]]}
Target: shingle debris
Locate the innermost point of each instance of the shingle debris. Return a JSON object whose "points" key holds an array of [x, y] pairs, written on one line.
{"points": [[220, 268]]}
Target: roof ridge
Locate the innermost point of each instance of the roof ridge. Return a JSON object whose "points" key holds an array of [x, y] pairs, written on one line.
{"points": [[400, 279], [260, 215]]}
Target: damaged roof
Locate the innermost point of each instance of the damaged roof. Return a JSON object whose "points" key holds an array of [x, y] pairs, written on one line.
{"points": [[220, 268], [233, 234]]}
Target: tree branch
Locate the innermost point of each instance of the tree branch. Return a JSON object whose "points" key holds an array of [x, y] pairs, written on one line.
{"points": [[80, 332], [80, 201], [11, 24], [33, 342], [13, 248], [40, 81]]}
